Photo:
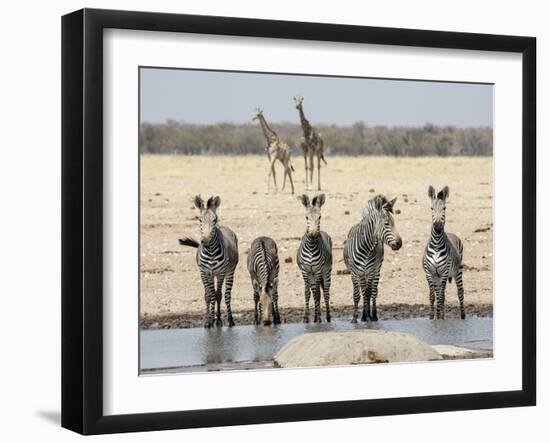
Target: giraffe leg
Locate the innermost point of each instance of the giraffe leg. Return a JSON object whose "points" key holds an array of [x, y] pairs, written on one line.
{"points": [[290, 178], [310, 169], [318, 171], [284, 176], [305, 163]]}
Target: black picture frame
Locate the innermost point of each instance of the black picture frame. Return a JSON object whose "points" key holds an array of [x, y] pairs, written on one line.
{"points": [[82, 220]]}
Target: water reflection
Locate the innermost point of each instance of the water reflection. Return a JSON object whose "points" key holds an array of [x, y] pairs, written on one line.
{"points": [[198, 346]]}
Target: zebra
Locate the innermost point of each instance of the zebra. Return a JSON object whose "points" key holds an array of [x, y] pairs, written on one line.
{"points": [[364, 252], [314, 258], [217, 258], [442, 258], [263, 266]]}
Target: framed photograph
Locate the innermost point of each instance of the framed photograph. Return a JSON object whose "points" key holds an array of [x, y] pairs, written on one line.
{"points": [[269, 221]]}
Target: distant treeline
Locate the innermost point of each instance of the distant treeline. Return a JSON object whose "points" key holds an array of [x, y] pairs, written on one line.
{"points": [[358, 139]]}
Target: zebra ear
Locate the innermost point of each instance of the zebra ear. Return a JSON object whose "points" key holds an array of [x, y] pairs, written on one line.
{"points": [[389, 205], [431, 192], [444, 193], [318, 200], [378, 202], [305, 200], [213, 203], [199, 203]]}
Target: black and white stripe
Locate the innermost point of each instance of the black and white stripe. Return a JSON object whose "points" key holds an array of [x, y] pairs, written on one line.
{"points": [[217, 258], [314, 258], [442, 259], [364, 253], [263, 266]]}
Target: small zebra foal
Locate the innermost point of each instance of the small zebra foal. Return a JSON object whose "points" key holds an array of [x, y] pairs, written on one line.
{"points": [[263, 266], [364, 253], [314, 258], [443, 257], [217, 258]]}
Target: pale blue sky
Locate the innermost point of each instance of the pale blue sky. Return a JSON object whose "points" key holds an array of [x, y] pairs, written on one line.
{"points": [[217, 96]]}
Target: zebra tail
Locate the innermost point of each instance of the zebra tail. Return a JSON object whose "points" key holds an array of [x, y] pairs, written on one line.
{"points": [[186, 241], [323, 158], [450, 279], [292, 168]]}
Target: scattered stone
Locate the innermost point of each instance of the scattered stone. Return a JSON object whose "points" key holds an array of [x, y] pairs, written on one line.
{"points": [[288, 260], [342, 272], [449, 352], [353, 347], [371, 190], [406, 200], [346, 212], [398, 211], [488, 228], [157, 193]]}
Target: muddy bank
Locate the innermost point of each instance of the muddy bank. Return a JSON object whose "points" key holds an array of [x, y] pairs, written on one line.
{"points": [[394, 311]]}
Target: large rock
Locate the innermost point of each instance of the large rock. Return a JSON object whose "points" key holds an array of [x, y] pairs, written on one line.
{"points": [[352, 348], [449, 352]]}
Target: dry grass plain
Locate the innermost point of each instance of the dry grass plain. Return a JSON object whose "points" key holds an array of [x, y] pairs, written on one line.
{"points": [[172, 294]]}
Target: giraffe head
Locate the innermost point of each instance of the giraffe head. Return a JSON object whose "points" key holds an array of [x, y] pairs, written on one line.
{"points": [[208, 218], [256, 114], [298, 99], [313, 213], [438, 202]]}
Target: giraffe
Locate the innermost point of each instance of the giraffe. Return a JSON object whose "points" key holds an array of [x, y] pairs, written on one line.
{"points": [[311, 144], [276, 150]]}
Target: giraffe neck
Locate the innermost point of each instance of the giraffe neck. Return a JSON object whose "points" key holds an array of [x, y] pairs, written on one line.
{"points": [[306, 127], [269, 133]]}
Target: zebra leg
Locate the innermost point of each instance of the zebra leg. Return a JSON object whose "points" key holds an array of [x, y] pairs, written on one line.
{"points": [[317, 299], [440, 291], [228, 286], [374, 295], [356, 297], [209, 298], [256, 301], [326, 295], [276, 315], [432, 299], [307, 294], [219, 321], [365, 289], [460, 291]]}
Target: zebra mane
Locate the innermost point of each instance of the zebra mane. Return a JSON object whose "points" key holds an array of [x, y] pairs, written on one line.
{"points": [[371, 208]]}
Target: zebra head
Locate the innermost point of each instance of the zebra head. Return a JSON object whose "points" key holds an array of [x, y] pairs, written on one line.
{"points": [[266, 300], [439, 202], [313, 213], [388, 233], [208, 218], [298, 99]]}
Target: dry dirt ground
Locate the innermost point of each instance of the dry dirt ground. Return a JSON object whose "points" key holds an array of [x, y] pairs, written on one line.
{"points": [[171, 291]]}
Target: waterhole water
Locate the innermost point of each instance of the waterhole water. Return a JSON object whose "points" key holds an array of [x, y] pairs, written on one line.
{"points": [[253, 347]]}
